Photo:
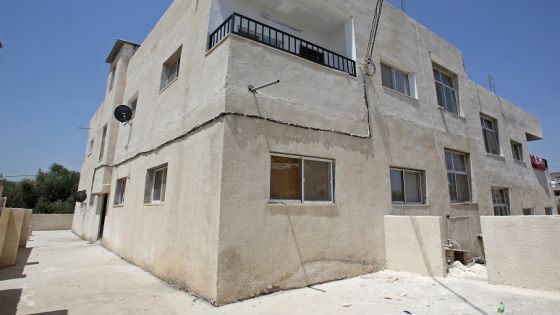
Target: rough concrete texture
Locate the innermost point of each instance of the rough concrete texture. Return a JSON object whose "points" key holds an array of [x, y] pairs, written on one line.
{"points": [[64, 274], [523, 251], [51, 222], [216, 233], [415, 244]]}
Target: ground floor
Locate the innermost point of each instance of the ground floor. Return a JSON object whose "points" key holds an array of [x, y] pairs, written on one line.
{"points": [[61, 274]]}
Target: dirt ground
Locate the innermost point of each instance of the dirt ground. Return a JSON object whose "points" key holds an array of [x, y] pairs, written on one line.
{"points": [[61, 274]]}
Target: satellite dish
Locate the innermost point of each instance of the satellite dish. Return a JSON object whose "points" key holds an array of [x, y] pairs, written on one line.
{"points": [[80, 196], [123, 113]]}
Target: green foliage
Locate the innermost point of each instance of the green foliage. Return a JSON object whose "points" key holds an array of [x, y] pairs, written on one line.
{"points": [[51, 192]]}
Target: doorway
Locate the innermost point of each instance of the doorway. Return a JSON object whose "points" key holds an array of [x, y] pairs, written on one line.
{"points": [[103, 215]]}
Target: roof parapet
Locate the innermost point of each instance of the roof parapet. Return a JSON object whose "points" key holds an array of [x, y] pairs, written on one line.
{"points": [[117, 48]]}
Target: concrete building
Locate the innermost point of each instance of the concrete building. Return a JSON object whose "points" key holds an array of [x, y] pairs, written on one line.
{"points": [[555, 181], [231, 193]]}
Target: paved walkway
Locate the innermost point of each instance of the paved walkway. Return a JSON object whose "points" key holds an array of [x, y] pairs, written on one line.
{"points": [[61, 274]]}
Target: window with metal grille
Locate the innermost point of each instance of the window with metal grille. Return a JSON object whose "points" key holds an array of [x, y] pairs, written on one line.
{"points": [[500, 198], [490, 134], [299, 179], [458, 175], [408, 186], [446, 91]]}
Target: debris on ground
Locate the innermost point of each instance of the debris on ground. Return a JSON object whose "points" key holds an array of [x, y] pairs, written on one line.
{"points": [[471, 271], [390, 279], [501, 308]]}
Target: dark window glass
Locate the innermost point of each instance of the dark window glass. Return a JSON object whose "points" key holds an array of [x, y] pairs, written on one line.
{"points": [[387, 76], [285, 183], [458, 177], [397, 189]]}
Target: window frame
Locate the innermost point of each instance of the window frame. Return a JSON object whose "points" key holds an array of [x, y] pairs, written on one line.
{"points": [[487, 132], [515, 144], [549, 211], [531, 211], [302, 180], [394, 70], [102, 148], [505, 196], [120, 191], [454, 172], [421, 181], [151, 175], [166, 78], [453, 88]]}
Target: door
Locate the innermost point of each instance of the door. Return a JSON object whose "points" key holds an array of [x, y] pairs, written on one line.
{"points": [[103, 215]]}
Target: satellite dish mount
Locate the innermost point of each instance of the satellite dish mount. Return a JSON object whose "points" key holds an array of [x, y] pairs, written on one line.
{"points": [[123, 113]]}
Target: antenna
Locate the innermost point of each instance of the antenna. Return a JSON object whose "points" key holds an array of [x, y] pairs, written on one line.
{"points": [[123, 113], [403, 6], [492, 84]]}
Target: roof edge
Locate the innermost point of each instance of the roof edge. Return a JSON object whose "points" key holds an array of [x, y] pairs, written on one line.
{"points": [[117, 47]]}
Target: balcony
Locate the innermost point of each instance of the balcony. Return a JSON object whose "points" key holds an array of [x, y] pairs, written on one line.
{"points": [[273, 37]]}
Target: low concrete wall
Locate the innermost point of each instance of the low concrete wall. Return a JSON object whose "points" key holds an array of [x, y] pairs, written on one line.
{"points": [[14, 232], [415, 244], [51, 222], [523, 251]]}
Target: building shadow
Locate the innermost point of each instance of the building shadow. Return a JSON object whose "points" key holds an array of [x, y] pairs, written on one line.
{"points": [[16, 271], [61, 312], [9, 300]]}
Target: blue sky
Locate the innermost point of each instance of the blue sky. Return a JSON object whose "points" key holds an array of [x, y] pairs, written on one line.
{"points": [[53, 76]]}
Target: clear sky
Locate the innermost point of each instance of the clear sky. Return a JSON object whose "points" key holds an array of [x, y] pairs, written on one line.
{"points": [[53, 75]]}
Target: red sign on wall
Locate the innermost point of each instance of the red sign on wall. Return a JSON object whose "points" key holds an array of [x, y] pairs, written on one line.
{"points": [[539, 163]]}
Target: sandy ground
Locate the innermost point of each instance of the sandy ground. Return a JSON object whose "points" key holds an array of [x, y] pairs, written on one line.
{"points": [[61, 274]]}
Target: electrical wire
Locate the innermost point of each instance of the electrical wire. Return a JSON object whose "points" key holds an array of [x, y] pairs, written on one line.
{"points": [[372, 37]]}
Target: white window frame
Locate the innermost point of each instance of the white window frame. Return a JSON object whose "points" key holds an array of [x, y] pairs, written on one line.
{"points": [[454, 88], [505, 192], [302, 177], [120, 191], [487, 132], [455, 172], [421, 178], [166, 78], [515, 144], [410, 78]]}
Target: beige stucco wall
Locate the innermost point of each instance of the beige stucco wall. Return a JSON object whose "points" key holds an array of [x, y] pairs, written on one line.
{"points": [[523, 251], [14, 233], [51, 222], [217, 234], [415, 244]]}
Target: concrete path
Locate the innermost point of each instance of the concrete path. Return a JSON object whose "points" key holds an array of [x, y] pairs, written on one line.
{"points": [[61, 274]]}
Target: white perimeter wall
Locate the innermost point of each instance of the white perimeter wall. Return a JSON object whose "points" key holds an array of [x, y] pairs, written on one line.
{"points": [[523, 251]]}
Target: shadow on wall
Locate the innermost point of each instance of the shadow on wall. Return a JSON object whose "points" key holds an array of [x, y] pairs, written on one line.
{"points": [[543, 181]]}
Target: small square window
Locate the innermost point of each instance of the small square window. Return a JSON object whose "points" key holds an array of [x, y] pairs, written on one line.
{"points": [[170, 70], [408, 186], [500, 198], [120, 188], [395, 79], [517, 151], [528, 211], [156, 184]]}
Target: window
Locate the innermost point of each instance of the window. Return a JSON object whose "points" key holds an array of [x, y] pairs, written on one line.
{"points": [[298, 179], [102, 150], [407, 186], [156, 181], [517, 150], [548, 211], [395, 79], [120, 188], [170, 71], [557, 193], [500, 198], [528, 211], [91, 199], [91, 143], [458, 175], [132, 106], [112, 77], [446, 91], [490, 135]]}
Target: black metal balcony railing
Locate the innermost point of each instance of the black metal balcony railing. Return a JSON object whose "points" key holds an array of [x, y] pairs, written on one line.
{"points": [[251, 29]]}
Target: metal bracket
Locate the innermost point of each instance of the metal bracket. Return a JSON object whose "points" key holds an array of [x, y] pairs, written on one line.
{"points": [[254, 89]]}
